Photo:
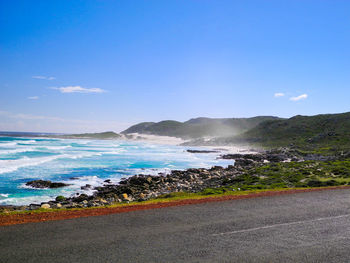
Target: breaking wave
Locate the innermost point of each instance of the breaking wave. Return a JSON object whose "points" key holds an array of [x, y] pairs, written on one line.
{"points": [[82, 162]]}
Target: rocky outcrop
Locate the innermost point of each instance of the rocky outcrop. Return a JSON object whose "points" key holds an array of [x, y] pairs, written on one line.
{"points": [[45, 184], [274, 156], [144, 187], [201, 151]]}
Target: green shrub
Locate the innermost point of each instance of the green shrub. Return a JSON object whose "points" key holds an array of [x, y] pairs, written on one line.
{"points": [[60, 198], [212, 191], [315, 183]]}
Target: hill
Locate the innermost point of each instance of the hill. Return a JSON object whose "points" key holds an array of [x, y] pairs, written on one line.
{"points": [[101, 135], [199, 127], [322, 132]]}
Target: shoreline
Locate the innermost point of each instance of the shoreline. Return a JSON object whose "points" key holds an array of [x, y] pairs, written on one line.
{"points": [[144, 187], [251, 172], [20, 161], [43, 216]]}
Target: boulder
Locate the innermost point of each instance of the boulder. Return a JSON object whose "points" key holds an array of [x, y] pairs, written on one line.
{"points": [[243, 162], [34, 206], [201, 151], [45, 206], [45, 184], [86, 187], [80, 198]]}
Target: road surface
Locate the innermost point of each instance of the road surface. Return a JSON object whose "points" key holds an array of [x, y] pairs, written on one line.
{"points": [[303, 227]]}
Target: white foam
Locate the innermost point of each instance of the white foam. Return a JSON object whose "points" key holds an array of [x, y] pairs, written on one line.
{"points": [[81, 155], [4, 195], [78, 182], [145, 171], [7, 166], [56, 147], [19, 150], [26, 142], [8, 144], [83, 180], [26, 200]]}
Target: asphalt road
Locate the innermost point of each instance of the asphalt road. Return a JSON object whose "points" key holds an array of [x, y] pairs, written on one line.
{"points": [[304, 227]]}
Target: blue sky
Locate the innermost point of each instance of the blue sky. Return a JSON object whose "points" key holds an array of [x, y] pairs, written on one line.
{"points": [[85, 66]]}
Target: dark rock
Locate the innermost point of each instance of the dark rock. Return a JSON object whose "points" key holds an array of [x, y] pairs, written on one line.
{"points": [[275, 158], [243, 162], [86, 187], [216, 168], [45, 184], [255, 157], [80, 198], [34, 206], [201, 151]]}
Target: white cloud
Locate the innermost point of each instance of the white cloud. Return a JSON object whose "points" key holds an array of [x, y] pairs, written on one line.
{"points": [[301, 97], [33, 98], [43, 77], [78, 89], [277, 95]]}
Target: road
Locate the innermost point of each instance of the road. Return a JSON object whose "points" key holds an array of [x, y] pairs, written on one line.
{"points": [[303, 227]]}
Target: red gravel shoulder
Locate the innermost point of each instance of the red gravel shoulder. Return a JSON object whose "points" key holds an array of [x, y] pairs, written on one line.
{"points": [[22, 218]]}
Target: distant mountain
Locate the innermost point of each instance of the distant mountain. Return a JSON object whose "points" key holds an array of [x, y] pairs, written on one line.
{"points": [[199, 127], [101, 135], [308, 132]]}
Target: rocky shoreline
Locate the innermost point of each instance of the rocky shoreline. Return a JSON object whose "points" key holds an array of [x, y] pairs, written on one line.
{"points": [[145, 187]]}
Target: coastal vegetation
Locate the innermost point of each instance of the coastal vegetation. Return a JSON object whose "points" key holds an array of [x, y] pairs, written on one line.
{"points": [[294, 175], [324, 134]]}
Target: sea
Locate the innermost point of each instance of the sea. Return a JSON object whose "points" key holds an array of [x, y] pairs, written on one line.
{"points": [[78, 162]]}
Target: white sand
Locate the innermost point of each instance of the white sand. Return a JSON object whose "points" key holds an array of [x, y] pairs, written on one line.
{"points": [[167, 140]]}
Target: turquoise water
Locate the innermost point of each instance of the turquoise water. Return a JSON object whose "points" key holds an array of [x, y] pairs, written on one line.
{"points": [[80, 162]]}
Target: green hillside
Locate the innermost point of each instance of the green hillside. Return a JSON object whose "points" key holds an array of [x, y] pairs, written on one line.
{"points": [[328, 131], [199, 127]]}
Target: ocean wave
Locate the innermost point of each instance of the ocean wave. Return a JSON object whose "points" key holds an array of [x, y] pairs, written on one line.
{"points": [[37, 199], [4, 195], [56, 147], [80, 155], [26, 142], [19, 150], [8, 166], [8, 144], [92, 160]]}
